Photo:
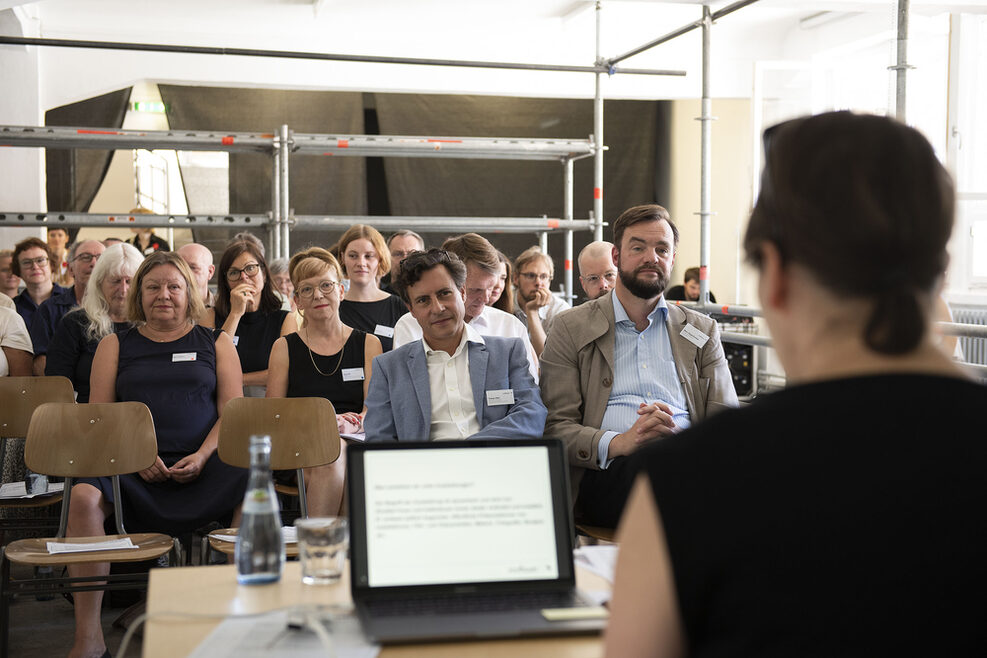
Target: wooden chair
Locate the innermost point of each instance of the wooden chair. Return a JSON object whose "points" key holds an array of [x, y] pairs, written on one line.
{"points": [[19, 397], [303, 434], [85, 440]]}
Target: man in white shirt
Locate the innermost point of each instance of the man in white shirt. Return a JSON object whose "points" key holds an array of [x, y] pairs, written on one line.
{"points": [[534, 302], [452, 383], [482, 269]]}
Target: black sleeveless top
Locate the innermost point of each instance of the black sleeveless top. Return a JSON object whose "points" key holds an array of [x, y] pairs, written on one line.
{"points": [[256, 334], [837, 518], [376, 318], [304, 381]]}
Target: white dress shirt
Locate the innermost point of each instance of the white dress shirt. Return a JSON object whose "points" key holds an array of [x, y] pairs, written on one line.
{"points": [[453, 409], [491, 322]]}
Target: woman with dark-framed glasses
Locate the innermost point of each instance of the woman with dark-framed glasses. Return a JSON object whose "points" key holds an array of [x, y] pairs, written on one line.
{"points": [[324, 358], [249, 311]]}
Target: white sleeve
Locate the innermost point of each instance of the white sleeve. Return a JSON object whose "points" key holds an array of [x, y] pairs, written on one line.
{"points": [[519, 331], [13, 331], [406, 330]]}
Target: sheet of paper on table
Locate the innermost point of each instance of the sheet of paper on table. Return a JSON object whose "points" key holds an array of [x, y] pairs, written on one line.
{"points": [[264, 636], [361, 437], [108, 545]]}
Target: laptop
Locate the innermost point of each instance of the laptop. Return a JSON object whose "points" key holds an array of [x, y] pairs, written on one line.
{"points": [[459, 540]]}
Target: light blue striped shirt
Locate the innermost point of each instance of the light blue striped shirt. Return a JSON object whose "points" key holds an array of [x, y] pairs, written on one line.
{"points": [[643, 372]]}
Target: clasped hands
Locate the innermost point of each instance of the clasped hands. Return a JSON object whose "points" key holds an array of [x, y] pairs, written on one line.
{"points": [[653, 421], [184, 470], [349, 423]]}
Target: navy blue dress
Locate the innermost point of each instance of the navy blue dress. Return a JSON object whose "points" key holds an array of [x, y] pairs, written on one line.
{"points": [[181, 394]]}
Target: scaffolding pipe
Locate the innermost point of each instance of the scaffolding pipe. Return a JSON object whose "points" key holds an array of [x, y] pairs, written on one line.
{"points": [[333, 57], [284, 154], [567, 213], [901, 67], [598, 136], [542, 242], [705, 184], [685, 29], [273, 232]]}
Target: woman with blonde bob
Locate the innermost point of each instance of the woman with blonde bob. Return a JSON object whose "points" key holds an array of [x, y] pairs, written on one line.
{"points": [[185, 374], [842, 516], [365, 259], [103, 311], [324, 358]]}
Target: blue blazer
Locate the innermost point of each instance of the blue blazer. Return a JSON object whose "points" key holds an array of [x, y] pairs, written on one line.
{"points": [[399, 400]]}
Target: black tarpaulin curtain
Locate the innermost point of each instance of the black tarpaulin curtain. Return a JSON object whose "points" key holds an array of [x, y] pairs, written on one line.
{"points": [[73, 176]]}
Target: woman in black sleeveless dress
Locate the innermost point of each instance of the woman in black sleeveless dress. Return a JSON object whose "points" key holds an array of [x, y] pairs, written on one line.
{"points": [[185, 375], [249, 311], [325, 358]]}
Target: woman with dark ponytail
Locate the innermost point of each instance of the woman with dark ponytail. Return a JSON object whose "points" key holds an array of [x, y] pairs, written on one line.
{"points": [[843, 515]]}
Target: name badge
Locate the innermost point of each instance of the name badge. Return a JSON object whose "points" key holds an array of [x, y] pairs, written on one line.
{"points": [[182, 356], [236, 340], [498, 398], [353, 375], [386, 332], [694, 336]]}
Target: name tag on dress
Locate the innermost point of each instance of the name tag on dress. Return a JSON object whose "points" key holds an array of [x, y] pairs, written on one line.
{"points": [[386, 332], [353, 375], [182, 356], [501, 397], [694, 336]]}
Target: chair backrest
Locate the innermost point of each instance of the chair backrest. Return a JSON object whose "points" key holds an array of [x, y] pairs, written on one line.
{"points": [[90, 440], [303, 431], [20, 396]]}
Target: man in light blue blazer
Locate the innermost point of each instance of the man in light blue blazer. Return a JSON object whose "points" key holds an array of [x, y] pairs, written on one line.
{"points": [[453, 383]]}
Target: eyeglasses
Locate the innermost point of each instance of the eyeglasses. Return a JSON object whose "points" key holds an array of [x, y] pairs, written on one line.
{"points": [[234, 274], [325, 287], [40, 262], [86, 258], [609, 277], [531, 276]]}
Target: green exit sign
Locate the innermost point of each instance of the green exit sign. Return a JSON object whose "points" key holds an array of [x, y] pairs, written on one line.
{"points": [[156, 107]]}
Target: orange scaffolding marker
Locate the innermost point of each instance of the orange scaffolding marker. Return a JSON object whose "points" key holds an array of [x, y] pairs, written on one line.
{"points": [[98, 132], [553, 223], [342, 143], [568, 264], [227, 140], [597, 192]]}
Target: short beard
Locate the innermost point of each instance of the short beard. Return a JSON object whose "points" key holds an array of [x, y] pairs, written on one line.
{"points": [[643, 289]]}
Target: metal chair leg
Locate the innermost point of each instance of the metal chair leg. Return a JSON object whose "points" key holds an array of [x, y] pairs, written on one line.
{"points": [[4, 602]]}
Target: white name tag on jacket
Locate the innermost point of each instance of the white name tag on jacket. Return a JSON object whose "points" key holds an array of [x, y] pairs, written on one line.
{"points": [[353, 375], [501, 397], [182, 356], [694, 336], [386, 332]]}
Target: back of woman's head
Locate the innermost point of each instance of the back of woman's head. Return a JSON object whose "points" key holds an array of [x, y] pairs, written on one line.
{"points": [[269, 302], [864, 205]]}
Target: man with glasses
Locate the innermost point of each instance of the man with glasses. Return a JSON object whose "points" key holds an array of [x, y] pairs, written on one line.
{"points": [[32, 262], [82, 257], [597, 273], [401, 244], [534, 303]]}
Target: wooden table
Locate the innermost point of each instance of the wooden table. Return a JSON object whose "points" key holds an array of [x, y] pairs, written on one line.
{"points": [[213, 590]]}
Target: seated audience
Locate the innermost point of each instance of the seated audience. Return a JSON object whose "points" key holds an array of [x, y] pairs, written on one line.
{"points": [[401, 244], [199, 260], [502, 295], [103, 312], [838, 517], [453, 383], [15, 344], [247, 309], [144, 239], [326, 359], [535, 304], [281, 280], [482, 266], [689, 292], [33, 263], [82, 259], [10, 283], [188, 486], [58, 240], [365, 259], [597, 273], [626, 368]]}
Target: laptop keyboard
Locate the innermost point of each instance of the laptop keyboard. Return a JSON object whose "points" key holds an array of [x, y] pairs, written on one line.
{"points": [[460, 604]]}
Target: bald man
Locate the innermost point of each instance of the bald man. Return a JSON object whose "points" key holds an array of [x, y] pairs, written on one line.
{"points": [[199, 260], [597, 273]]}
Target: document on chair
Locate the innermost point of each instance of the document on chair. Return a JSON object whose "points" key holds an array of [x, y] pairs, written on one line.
{"points": [[108, 545], [17, 490], [288, 532]]}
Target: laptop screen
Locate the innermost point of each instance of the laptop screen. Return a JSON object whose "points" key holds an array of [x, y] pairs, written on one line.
{"points": [[466, 513]]}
